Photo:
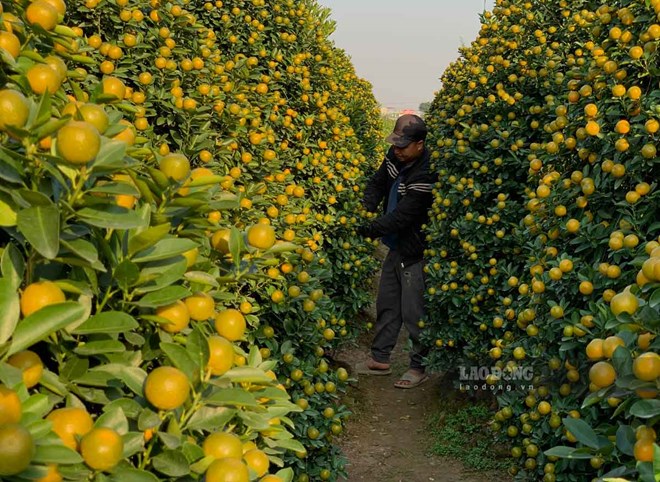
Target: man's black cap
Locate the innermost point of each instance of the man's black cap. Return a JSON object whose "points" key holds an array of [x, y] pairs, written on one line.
{"points": [[408, 128]]}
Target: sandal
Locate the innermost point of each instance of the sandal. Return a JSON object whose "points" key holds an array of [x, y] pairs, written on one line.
{"points": [[362, 368], [411, 379]]}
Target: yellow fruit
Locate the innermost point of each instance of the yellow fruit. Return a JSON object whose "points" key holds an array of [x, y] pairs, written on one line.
{"points": [[128, 134], [229, 469], [257, 460], [102, 448], [624, 302], [58, 65], [586, 287], [16, 449], [14, 108], [644, 340], [166, 388], [261, 236], [273, 478], [646, 366], [644, 432], [95, 115], [112, 86], [177, 315], [41, 13], [221, 355], [10, 43], [595, 349], [78, 142], [220, 240], [10, 406], [40, 294], [201, 306], [610, 344], [220, 445], [230, 323], [70, 423], [30, 364], [643, 450], [42, 78], [651, 269], [175, 166], [602, 374], [53, 475]]}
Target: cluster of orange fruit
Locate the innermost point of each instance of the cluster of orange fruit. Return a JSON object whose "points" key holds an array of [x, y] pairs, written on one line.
{"points": [[182, 176], [545, 144]]}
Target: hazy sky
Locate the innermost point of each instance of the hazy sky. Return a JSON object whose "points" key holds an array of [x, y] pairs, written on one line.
{"points": [[403, 46]]}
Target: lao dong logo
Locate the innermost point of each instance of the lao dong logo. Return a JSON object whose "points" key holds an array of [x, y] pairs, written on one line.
{"points": [[472, 378]]}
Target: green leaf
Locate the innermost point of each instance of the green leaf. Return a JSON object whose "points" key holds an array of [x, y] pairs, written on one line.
{"points": [[170, 441], [114, 419], [161, 274], [164, 249], [111, 155], [125, 474], [582, 432], [645, 408], [7, 215], [100, 347], [197, 347], [37, 405], [13, 266], [107, 322], [181, 359], [110, 217], [232, 396], [41, 227], [236, 245], [622, 361], [56, 454], [654, 299], [43, 323], [126, 274], [202, 278], [247, 374], [52, 382], [289, 444], [10, 310], [206, 180], [285, 474], [172, 463], [284, 247], [133, 377], [43, 111], [656, 461], [148, 419], [567, 453], [163, 297], [625, 439], [82, 248], [210, 419], [147, 238]]}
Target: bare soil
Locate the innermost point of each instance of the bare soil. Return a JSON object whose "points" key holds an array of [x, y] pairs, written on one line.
{"points": [[386, 438]]}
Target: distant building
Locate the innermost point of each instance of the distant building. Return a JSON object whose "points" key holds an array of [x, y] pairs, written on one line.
{"points": [[394, 113]]}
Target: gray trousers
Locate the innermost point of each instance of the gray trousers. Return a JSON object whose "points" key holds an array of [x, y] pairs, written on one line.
{"points": [[400, 302]]}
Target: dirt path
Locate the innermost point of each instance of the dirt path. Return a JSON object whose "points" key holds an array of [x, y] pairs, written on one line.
{"points": [[386, 438]]}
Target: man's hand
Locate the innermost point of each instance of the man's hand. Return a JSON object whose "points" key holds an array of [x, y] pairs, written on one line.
{"points": [[364, 230]]}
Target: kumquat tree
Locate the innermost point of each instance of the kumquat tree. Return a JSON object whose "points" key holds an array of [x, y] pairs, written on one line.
{"points": [[179, 185], [544, 233]]}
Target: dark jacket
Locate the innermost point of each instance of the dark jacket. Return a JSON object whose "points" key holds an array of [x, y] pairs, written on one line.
{"points": [[411, 212]]}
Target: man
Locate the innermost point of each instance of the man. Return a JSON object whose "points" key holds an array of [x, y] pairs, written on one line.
{"points": [[403, 182]]}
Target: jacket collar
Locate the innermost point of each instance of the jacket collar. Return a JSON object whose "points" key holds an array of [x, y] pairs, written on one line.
{"points": [[398, 165]]}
